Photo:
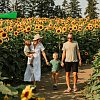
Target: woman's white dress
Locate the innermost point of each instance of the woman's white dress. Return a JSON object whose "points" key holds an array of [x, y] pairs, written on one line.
{"points": [[34, 73]]}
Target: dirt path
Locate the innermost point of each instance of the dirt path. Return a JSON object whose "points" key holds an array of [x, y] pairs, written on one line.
{"points": [[44, 88]]}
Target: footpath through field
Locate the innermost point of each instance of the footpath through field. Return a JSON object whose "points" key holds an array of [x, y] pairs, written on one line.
{"points": [[44, 88]]}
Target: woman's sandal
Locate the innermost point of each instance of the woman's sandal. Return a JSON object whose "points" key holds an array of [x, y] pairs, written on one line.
{"points": [[75, 89], [67, 91]]}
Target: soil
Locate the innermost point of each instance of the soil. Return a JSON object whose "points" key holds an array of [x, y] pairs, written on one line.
{"points": [[44, 87]]}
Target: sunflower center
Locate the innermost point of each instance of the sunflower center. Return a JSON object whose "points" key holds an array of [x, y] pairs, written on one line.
{"points": [[26, 94], [4, 35], [40, 27]]}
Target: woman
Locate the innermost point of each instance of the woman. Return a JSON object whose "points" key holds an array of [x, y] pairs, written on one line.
{"points": [[34, 73]]}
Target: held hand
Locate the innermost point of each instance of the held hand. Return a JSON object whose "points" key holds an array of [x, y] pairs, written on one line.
{"points": [[47, 63], [80, 63], [62, 64]]}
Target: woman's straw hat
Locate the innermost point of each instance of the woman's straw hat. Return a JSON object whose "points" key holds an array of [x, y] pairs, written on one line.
{"points": [[37, 36]]}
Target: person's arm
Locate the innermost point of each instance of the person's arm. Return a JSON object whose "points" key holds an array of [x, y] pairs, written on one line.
{"points": [[63, 57], [26, 52], [44, 55], [79, 57]]}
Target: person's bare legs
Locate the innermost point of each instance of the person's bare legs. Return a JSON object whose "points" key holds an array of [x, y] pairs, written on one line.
{"points": [[68, 80], [75, 80], [53, 78], [56, 78]]}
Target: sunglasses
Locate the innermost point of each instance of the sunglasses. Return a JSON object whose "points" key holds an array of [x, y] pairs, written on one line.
{"points": [[69, 38]]}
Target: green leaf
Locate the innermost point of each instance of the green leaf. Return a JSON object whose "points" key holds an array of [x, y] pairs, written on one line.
{"points": [[5, 90], [13, 90], [20, 87], [8, 90]]}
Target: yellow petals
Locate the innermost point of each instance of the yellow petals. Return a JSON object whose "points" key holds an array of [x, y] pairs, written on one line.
{"points": [[58, 30], [27, 93], [1, 40], [6, 97], [15, 33]]}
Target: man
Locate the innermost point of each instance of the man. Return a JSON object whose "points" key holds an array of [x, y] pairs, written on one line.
{"points": [[71, 57]]}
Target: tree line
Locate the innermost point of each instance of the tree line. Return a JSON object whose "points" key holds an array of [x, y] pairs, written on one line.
{"points": [[47, 8]]}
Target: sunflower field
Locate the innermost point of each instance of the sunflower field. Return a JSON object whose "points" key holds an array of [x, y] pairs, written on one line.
{"points": [[92, 90], [13, 32]]}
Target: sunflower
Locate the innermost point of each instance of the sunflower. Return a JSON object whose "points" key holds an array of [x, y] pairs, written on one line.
{"points": [[66, 25], [41, 21], [46, 29], [58, 30], [4, 35], [91, 21], [74, 27], [27, 93], [10, 29], [94, 20], [36, 27], [87, 28], [63, 22], [1, 40], [7, 38], [24, 31], [90, 27], [41, 27], [79, 28], [94, 57], [19, 29], [98, 20], [86, 53], [19, 26], [84, 22], [16, 33], [64, 29], [1, 30], [55, 25], [73, 22], [80, 19], [36, 21], [96, 26], [70, 28], [45, 19], [68, 19], [6, 97], [50, 24], [90, 24], [58, 22], [28, 28]]}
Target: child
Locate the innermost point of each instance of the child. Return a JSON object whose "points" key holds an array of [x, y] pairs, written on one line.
{"points": [[55, 69], [28, 52]]}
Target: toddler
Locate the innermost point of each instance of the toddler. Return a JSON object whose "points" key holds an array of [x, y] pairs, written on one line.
{"points": [[28, 52], [55, 63]]}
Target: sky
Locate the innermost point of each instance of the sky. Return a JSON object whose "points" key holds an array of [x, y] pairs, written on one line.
{"points": [[83, 5]]}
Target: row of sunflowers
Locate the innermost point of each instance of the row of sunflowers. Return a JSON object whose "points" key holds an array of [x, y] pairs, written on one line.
{"points": [[10, 28], [54, 32]]}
